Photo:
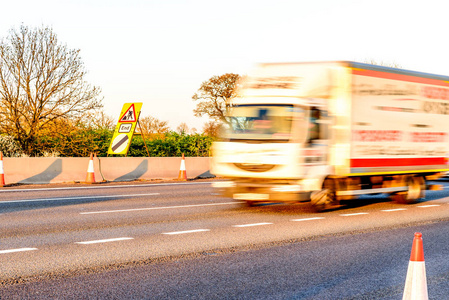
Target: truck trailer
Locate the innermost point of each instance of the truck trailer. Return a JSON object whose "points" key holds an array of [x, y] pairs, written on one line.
{"points": [[326, 132]]}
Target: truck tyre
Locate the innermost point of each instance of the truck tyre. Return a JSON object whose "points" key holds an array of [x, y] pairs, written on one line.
{"points": [[251, 203], [416, 188], [321, 200], [326, 198]]}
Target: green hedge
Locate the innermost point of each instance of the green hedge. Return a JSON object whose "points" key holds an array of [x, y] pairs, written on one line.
{"points": [[80, 143]]}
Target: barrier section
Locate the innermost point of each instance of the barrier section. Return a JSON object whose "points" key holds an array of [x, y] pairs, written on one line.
{"points": [[43, 170]]}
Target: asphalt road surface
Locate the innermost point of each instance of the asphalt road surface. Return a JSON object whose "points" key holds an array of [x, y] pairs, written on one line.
{"points": [[179, 240]]}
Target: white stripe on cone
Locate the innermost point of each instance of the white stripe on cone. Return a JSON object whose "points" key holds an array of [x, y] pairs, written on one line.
{"points": [[416, 282], [182, 170], [90, 168], [183, 165]]}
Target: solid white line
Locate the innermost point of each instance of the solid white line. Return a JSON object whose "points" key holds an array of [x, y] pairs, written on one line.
{"points": [[186, 231], [355, 214], [16, 250], [78, 198], [307, 219], [155, 208], [105, 241], [101, 187], [251, 225], [394, 209], [430, 205]]}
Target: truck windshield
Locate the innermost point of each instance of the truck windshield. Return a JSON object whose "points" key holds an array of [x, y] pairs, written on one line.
{"points": [[261, 122]]}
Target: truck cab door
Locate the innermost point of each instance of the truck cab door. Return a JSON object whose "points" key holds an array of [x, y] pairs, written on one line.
{"points": [[317, 143]]}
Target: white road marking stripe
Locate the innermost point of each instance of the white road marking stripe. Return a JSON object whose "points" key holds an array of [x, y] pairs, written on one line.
{"points": [[105, 241], [430, 205], [355, 214], [78, 198], [100, 187], [155, 208], [17, 250], [251, 225], [186, 231], [307, 219], [394, 209]]}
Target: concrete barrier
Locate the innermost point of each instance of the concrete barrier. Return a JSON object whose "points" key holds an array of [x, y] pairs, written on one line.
{"points": [[41, 170]]}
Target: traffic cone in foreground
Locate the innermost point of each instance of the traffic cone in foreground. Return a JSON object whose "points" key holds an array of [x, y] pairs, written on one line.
{"points": [[90, 178], [416, 283], [182, 170], [2, 175]]}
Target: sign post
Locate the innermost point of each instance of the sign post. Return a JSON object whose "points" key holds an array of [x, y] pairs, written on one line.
{"points": [[124, 131]]}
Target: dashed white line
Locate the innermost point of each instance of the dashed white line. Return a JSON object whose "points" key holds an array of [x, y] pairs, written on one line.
{"points": [[430, 205], [16, 250], [394, 209], [251, 225], [307, 219], [105, 241], [186, 231], [354, 214], [78, 198], [155, 208]]}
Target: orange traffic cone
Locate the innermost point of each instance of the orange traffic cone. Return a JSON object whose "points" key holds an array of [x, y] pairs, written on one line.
{"points": [[2, 175], [182, 170], [416, 283], [90, 178]]}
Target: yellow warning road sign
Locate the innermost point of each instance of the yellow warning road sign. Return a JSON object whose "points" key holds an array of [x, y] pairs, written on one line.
{"points": [[125, 128]]}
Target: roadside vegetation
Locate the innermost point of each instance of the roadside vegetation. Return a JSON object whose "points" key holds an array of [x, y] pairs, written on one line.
{"points": [[47, 108]]}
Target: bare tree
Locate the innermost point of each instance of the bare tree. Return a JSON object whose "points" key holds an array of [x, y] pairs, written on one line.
{"points": [[383, 63], [98, 119], [214, 96], [212, 128], [40, 81], [152, 126], [183, 128]]}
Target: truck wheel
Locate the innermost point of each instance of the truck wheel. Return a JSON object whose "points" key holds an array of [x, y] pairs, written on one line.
{"points": [[321, 200], [251, 203], [326, 198], [416, 187]]}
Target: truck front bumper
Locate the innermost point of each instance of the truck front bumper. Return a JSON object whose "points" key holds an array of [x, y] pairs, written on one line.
{"points": [[262, 192]]}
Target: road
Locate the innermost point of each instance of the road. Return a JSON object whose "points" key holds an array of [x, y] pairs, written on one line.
{"points": [[179, 240]]}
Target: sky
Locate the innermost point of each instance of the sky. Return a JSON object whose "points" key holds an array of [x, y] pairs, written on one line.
{"points": [[159, 52]]}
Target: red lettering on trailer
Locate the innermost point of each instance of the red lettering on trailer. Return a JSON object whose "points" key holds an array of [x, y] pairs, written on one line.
{"points": [[428, 137], [377, 135], [432, 92]]}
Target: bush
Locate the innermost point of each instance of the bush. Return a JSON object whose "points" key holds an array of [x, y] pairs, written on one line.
{"points": [[9, 147]]}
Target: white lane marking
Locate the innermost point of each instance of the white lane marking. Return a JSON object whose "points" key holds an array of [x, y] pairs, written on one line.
{"points": [[17, 250], [430, 205], [394, 209], [186, 231], [100, 187], [307, 219], [105, 241], [251, 225], [78, 198], [354, 214], [155, 208]]}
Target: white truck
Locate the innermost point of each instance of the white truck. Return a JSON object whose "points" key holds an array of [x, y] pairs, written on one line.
{"points": [[332, 131]]}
